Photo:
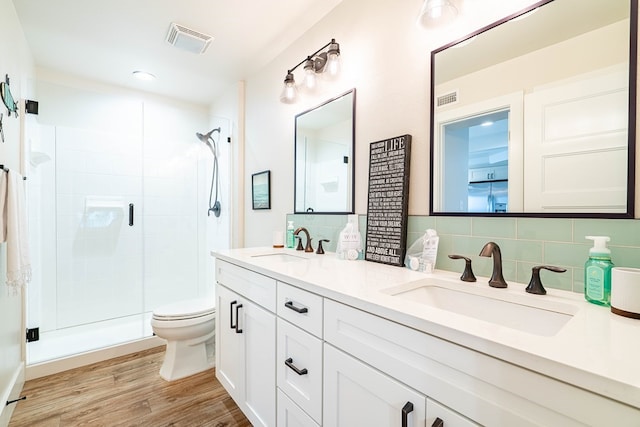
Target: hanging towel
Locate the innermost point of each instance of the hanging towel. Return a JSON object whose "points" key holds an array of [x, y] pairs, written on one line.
{"points": [[3, 211], [15, 230]]}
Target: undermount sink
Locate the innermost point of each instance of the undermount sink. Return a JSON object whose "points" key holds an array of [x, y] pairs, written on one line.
{"points": [[545, 318], [281, 257]]}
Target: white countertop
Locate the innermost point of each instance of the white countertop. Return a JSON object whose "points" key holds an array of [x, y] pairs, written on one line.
{"points": [[596, 350]]}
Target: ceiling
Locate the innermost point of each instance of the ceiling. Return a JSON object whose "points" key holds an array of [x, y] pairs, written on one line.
{"points": [[106, 41]]}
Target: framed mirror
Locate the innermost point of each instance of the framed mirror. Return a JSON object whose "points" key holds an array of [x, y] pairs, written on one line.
{"points": [[324, 151], [535, 115]]}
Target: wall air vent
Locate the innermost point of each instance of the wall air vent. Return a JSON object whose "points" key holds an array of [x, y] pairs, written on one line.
{"points": [[447, 99], [187, 39]]}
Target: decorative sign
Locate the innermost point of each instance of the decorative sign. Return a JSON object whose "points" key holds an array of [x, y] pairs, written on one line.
{"points": [[388, 200]]}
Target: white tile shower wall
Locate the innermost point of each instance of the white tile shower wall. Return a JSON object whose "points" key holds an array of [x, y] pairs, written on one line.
{"points": [[171, 185]]}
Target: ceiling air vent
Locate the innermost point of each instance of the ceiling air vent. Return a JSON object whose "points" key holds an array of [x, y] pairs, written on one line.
{"points": [[187, 39], [447, 98]]}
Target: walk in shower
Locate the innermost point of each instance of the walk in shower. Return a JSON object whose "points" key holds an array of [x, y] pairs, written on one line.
{"points": [[118, 227]]}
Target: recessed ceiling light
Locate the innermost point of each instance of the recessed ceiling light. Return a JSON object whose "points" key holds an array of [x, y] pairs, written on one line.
{"points": [[487, 123], [143, 75]]}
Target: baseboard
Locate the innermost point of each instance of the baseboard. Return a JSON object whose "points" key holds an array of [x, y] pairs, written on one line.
{"points": [[59, 365], [12, 392]]}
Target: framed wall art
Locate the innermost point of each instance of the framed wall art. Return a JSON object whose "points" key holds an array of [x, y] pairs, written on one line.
{"points": [[261, 190]]}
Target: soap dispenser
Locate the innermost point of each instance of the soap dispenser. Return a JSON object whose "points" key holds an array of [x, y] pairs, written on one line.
{"points": [[597, 272], [290, 239], [349, 241]]}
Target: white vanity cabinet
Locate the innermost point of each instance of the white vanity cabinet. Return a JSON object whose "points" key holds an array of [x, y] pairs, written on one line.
{"points": [[297, 357], [246, 341]]}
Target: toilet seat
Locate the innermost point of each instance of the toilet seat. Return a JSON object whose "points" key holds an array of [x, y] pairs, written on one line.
{"points": [[184, 310]]}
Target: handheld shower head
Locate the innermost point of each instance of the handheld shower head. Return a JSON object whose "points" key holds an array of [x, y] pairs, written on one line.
{"points": [[214, 206], [205, 138]]}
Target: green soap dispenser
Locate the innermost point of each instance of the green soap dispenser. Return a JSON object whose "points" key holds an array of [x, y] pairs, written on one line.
{"points": [[597, 272]]}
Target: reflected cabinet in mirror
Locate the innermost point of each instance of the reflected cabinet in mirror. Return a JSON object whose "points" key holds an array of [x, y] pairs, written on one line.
{"points": [[535, 115], [324, 148]]}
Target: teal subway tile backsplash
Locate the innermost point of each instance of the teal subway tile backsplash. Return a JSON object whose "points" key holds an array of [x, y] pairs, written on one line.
{"points": [[623, 232], [453, 225], [494, 227], [565, 254], [524, 243], [545, 229]]}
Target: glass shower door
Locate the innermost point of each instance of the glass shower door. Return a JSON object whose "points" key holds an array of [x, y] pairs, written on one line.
{"points": [[92, 295]]}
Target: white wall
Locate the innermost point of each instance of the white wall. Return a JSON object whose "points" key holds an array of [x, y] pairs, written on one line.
{"points": [[385, 56], [18, 64]]}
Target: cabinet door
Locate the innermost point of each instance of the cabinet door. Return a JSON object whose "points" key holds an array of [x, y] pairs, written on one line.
{"points": [[259, 331], [229, 343], [357, 395]]}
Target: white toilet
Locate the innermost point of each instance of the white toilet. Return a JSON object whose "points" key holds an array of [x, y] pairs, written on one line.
{"points": [[189, 328]]}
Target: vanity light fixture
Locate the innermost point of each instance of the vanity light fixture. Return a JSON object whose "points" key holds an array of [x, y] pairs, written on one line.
{"points": [[437, 12], [325, 61]]}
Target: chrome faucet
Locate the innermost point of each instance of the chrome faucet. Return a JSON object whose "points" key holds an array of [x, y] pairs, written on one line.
{"points": [[308, 247], [492, 249]]}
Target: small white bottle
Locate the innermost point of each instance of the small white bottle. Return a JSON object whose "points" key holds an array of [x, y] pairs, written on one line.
{"points": [[349, 242], [290, 238]]}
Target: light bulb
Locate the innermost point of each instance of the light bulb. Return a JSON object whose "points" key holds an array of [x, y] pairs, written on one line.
{"points": [[436, 12], [309, 82], [332, 68], [289, 91]]}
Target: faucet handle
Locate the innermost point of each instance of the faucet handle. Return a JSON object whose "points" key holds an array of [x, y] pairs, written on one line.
{"points": [[299, 247], [467, 274], [535, 284], [320, 250]]}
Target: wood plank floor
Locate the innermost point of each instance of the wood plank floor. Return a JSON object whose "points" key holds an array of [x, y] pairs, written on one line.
{"points": [[126, 391]]}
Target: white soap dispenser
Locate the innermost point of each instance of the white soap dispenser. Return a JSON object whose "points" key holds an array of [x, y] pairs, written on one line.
{"points": [[349, 242]]}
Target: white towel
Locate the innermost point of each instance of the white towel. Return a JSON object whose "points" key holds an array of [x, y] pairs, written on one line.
{"points": [[3, 201], [14, 226]]}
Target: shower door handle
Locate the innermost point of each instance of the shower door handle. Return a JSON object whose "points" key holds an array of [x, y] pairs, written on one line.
{"points": [[131, 214]]}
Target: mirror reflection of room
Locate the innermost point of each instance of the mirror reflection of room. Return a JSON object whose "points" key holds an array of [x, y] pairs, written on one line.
{"points": [[476, 163], [324, 170], [567, 87]]}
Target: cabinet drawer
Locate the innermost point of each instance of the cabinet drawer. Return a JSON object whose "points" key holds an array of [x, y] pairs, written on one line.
{"points": [[300, 307], [299, 367], [449, 418], [254, 286], [290, 415]]}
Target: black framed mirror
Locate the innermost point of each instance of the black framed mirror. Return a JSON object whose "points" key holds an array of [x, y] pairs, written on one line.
{"points": [[324, 157], [535, 115]]}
